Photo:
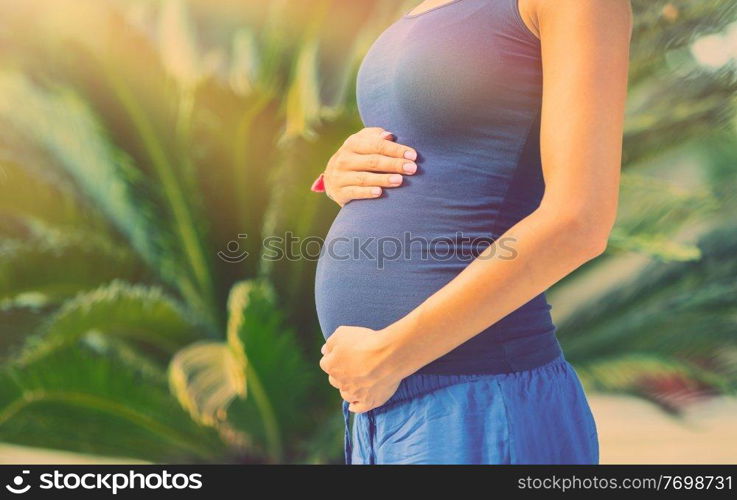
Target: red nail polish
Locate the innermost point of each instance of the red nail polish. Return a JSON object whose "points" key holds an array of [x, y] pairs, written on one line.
{"points": [[319, 185]]}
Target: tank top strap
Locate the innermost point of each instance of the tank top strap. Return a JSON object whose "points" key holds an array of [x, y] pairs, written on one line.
{"points": [[510, 9]]}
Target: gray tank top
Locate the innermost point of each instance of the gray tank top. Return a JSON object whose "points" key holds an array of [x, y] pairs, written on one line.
{"points": [[462, 84]]}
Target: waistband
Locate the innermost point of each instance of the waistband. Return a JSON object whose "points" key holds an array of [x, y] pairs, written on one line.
{"points": [[491, 355], [516, 355]]}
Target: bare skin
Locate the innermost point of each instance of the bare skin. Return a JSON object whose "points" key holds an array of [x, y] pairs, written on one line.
{"points": [[367, 162], [585, 52]]}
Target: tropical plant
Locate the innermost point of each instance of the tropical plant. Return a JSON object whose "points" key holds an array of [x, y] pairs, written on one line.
{"points": [[676, 322], [137, 164]]}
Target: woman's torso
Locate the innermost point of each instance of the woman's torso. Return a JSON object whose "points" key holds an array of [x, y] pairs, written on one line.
{"points": [[462, 85]]}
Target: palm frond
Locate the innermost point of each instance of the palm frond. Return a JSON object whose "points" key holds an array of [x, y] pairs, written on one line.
{"points": [[677, 108], [61, 123], [178, 45], [670, 382], [37, 273], [302, 215], [85, 401], [140, 315], [302, 102], [104, 174], [251, 387], [140, 107], [676, 309], [206, 377], [652, 213], [36, 201]]}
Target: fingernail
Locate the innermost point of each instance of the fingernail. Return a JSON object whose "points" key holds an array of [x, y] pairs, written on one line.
{"points": [[395, 179], [410, 155], [376, 191], [410, 168], [386, 135]]}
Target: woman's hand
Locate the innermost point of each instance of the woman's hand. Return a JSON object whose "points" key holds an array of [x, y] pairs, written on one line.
{"points": [[357, 361], [366, 162]]}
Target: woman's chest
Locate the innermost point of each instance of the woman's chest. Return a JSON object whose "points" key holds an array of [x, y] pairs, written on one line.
{"points": [[447, 70]]}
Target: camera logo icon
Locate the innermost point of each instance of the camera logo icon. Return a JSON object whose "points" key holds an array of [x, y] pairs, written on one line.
{"points": [[17, 486], [234, 253]]}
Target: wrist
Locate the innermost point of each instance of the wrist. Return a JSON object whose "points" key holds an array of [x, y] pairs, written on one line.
{"points": [[397, 350]]}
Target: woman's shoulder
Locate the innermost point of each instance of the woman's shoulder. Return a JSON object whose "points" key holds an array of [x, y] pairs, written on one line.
{"points": [[536, 12]]}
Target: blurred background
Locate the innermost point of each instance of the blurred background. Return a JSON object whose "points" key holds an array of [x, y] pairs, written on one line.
{"points": [[140, 140]]}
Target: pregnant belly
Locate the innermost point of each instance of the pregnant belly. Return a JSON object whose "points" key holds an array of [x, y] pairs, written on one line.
{"points": [[362, 281], [382, 258]]}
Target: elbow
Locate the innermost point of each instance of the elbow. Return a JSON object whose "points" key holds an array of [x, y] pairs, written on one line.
{"points": [[586, 236], [597, 245]]}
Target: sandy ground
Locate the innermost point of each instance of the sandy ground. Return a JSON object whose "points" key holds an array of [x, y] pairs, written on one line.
{"points": [[634, 431], [630, 432]]}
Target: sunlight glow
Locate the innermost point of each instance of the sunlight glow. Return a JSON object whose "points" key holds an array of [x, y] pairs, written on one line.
{"points": [[716, 50]]}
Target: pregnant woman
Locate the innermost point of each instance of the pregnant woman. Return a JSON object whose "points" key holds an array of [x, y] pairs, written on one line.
{"points": [[488, 170]]}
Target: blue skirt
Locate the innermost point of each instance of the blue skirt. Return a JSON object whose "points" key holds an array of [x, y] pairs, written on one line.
{"points": [[536, 416]]}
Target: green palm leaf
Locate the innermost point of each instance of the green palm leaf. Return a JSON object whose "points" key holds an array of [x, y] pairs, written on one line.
{"points": [[237, 134], [679, 310], [33, 202], [61, 123], [302, 102], [304, 215], [37, 273], [143, 316], [136, 105], [92, 402], [652, 212], [251, 388]]}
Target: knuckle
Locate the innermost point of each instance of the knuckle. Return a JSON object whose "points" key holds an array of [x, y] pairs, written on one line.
{"points": [[334, 163], [350, 140], [341, 162]]}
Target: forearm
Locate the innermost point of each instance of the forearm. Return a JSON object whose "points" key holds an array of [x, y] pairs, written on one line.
{"points": [[547, 246], [585, 49]]}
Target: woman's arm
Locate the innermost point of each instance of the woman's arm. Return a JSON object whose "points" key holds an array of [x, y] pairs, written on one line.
{"points": [[585, 50]]}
